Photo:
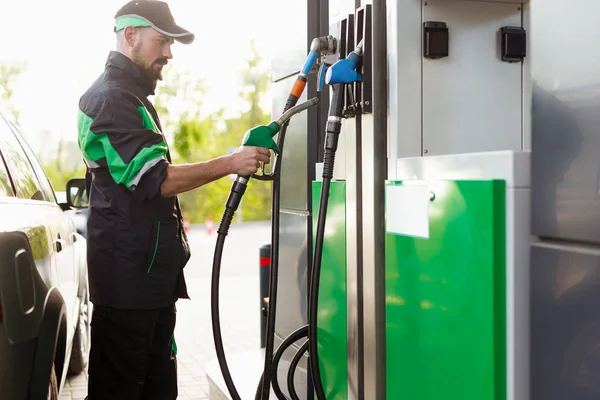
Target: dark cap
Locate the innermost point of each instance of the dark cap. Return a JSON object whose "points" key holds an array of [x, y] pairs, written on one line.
{"points": [[152, 13]]}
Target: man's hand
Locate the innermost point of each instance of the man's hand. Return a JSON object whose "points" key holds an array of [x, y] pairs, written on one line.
{"points": [[246, 159], [182, 178]]}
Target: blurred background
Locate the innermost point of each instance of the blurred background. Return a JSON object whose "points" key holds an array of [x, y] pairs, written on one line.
{"points": [[212, 92]]}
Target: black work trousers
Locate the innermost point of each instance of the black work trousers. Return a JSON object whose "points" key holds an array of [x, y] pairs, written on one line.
{"points": [[132, 354]]}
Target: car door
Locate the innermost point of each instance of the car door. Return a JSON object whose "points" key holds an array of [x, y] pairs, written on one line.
{"points": [[68, 273], [33, 187]]}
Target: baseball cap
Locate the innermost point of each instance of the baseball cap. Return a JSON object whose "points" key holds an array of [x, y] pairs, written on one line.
{"points": [[152, 13]]}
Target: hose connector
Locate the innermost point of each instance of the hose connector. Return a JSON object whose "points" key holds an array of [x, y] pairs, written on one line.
{"points": [[324, 45], [262, 136]]}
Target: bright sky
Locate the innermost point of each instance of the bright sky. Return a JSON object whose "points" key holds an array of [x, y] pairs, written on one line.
{"points": [[66, 43]]}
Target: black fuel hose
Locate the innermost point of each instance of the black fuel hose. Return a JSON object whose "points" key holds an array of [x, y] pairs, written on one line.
{"points": [[233, 201], [331, 143], [287, 342], [235, 196], [274, 270], [292, 338], [292, 370], [273, 278], [334, 126]]}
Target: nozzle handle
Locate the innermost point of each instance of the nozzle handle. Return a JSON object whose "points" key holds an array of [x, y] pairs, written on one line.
{"points": [[344, 71], [262, 136]]}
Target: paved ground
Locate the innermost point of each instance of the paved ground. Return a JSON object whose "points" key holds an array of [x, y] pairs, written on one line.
{"points": [[240, 323]]}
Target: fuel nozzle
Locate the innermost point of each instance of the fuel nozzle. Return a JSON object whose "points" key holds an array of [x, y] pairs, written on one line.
{"points": [[344, 71], [262, 136], [338, 76]]}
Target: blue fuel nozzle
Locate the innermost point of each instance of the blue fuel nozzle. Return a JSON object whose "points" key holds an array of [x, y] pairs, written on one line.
{"points": [[344, 71]]}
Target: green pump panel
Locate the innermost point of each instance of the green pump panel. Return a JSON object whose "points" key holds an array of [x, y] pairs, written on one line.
{"points": [[445, 290], [332, 336]]}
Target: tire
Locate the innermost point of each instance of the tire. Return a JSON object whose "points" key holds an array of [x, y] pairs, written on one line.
{"points": [[81, 340], [53, 386]]}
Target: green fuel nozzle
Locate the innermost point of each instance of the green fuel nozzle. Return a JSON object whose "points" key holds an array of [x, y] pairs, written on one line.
{"points": [[262, 136]]}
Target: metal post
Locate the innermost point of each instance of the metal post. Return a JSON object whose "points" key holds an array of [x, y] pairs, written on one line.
{"points": [[264, 272], [374, 174]]}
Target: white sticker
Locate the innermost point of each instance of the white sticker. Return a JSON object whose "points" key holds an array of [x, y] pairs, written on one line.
{"points": [[407, 210]]}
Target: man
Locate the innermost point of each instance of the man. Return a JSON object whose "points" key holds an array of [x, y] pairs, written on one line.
{"points": [[137, 246]]}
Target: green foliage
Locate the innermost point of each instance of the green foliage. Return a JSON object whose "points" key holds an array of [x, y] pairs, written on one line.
{"points": [[257, 199], [59, 176], [180, 90], [60, 169], [201, 138]]}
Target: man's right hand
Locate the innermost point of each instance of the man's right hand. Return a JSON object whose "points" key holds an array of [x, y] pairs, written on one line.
{"points": [[246, 159]]}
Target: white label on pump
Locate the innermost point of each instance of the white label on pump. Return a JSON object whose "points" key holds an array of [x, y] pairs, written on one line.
{"points": [[407, 210], [319, 172]]}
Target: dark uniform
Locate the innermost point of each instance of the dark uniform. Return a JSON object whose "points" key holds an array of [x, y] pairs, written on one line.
{"points": [[137, 247]]}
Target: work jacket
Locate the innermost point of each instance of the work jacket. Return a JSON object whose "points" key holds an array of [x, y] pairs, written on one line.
{"points": [[136, 245]]}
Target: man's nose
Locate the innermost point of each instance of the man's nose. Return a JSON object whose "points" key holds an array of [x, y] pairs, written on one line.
{"points": [[167, 52]]}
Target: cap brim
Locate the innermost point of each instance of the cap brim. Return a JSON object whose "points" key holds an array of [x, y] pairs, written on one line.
{"points": [[176, 32]]}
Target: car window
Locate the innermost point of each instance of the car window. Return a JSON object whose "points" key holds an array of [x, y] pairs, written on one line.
{"points": [[20, 169], [5, 185], [43, 179]]}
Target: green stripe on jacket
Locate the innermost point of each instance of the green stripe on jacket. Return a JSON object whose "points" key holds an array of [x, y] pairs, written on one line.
{"points": [[96, 146]]}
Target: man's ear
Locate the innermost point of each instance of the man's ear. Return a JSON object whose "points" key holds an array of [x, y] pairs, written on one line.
{"points": [[130, 35]]}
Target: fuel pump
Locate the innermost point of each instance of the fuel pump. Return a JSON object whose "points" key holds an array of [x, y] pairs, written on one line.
{"points": [[337, 76]]}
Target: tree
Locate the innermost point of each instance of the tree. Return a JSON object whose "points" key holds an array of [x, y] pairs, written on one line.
{"points": [[9, 75], [256, 203], [62, 166], [190, 134], [198, 137], [179, 98]]}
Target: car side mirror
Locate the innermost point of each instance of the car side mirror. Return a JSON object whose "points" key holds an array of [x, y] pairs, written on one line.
{"points": [[76, 194]]}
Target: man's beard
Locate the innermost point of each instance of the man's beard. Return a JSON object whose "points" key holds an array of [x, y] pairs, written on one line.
{"points": [[152, 74]]}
